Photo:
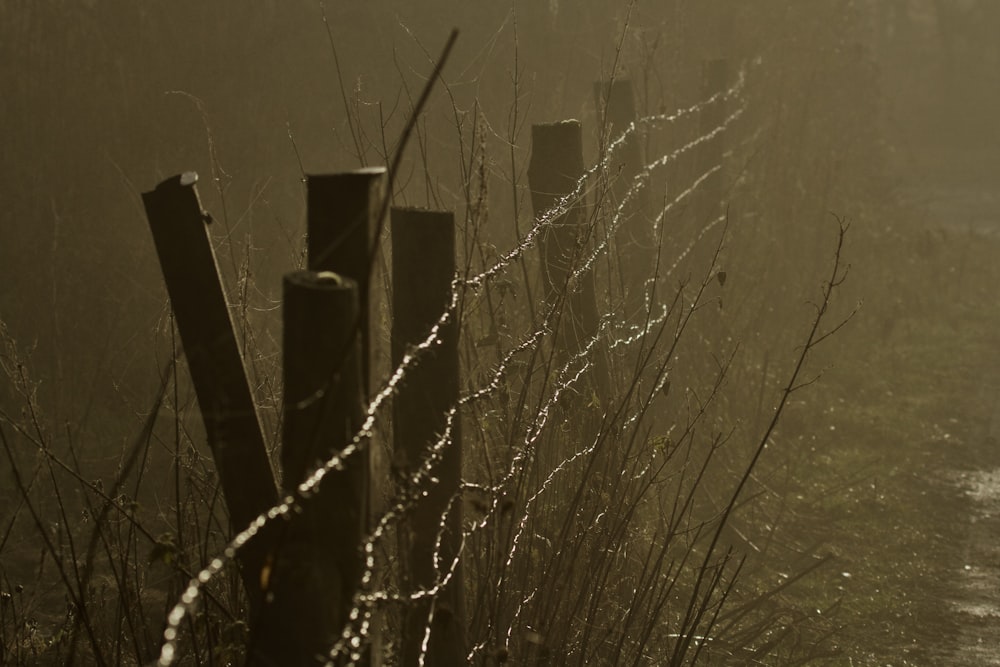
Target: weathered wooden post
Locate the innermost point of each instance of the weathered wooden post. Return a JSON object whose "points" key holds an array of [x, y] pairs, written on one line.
{"points": [[342, 224], [634, 239], [316, 561], [715, 78], [199, 303], [554, 170], [615, 104], [423, 265]]}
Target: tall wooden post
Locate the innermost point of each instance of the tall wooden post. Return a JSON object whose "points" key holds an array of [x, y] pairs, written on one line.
{"points": [[316, 562], [715, 78], [423, 265], [199, 303], [342, 223], [554, 170]]}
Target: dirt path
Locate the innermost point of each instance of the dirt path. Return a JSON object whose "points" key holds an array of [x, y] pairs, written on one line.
{"points": [[963, 461], [976, 602], [973, 603]]}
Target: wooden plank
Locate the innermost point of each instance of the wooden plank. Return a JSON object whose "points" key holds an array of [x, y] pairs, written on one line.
{"points": [[232, 426]]}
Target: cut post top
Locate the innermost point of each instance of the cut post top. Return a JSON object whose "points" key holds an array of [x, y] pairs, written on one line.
{"points": [[566, 128], [326, 280], [183, 180], [418, 213], [363, 173]]}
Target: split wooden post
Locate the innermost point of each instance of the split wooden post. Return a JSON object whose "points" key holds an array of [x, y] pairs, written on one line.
{"points": [[342, 224], [423, 265], [715, 78], [232, 426], [554, 171], [317, 563]]}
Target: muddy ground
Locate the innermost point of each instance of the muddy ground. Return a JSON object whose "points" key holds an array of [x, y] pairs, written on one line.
{"points": [[913, 410]]}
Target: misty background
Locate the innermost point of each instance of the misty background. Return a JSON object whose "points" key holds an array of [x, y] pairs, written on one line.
{"points": [[102, 100]]}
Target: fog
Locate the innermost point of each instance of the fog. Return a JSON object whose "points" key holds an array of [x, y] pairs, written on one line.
{"points": [[708, 375]]}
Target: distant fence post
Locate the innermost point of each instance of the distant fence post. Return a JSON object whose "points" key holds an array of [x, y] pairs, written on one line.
{"points": [[715, 80], [615, 104], [423, 265], [635, 237], [232, 426], [317, 562], [554, 170]]}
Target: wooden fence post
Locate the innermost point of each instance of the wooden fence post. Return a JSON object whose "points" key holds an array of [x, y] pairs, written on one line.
{"points": [[232, 426], [342, 223], [615, 103], [423, 265], [715, 80], [555, 167], [316, 562]]}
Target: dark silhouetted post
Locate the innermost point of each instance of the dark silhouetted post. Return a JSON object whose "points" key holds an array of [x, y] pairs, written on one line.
{"points": [[342, 223], [715, 77], [316, 562], [555, 168], [214, 359], [423, 265]]}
